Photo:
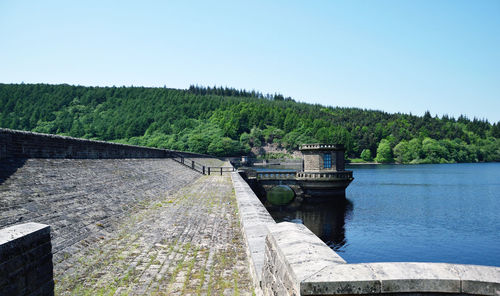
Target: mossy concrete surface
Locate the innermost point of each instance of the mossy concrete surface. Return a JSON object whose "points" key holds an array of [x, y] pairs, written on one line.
{"points": [[280, 195], [186, 243]]}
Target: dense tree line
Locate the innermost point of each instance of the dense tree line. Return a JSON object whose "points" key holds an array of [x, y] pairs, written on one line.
{"points": [[226, 121]]}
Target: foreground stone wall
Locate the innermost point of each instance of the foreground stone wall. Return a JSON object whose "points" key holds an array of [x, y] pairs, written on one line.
{"points": [[26, 260], [299, 263], [22, 144]]}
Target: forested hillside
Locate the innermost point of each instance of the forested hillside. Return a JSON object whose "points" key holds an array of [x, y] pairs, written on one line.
{"points": [[222, 121]]}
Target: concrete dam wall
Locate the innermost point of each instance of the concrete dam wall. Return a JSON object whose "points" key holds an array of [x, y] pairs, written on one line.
{"points": [[81, 188]]}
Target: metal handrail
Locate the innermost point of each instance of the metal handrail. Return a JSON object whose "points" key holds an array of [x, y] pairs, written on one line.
{"points": [[199, 167]]}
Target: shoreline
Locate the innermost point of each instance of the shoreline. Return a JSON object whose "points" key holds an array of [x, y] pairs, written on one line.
{"points": [[361, 163], [397, 163]]}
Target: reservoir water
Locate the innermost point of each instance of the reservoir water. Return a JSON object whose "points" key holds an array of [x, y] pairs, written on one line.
{"points": [[422, 213]]}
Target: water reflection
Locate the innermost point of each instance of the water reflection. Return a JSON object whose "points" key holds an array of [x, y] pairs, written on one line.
{"points": [[326, 219]]}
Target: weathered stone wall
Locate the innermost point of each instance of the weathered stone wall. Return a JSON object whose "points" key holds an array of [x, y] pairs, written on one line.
{"points": [[254, 219], [22, 144], [314, 161], [26, 260], [292, 254], [299, 263]]}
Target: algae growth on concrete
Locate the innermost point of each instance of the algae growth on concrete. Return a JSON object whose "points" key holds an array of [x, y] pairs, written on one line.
{"points": [[280, 195]]}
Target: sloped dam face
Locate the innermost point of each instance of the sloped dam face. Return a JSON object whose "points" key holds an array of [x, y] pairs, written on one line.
{"points": [[82, 199]]}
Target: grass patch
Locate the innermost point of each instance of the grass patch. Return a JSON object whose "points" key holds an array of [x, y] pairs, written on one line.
{"points": [[356, 160], [190, 269], [235, 279]]}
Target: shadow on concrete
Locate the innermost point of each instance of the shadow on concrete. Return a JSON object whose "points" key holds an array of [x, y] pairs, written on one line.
{"points": [[9, 166]]}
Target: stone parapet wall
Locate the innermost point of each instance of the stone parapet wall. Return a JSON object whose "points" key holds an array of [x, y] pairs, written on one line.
{"points": [[254, 219], [299, 263], [22, 144], [403, 278], [325, 175], [26, 260], [292, 254]]}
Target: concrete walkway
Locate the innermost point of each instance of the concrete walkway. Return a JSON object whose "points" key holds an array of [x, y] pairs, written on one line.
{"points": [[185, 243]]}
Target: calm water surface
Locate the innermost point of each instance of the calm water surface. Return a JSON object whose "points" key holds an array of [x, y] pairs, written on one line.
{"points": [[439, 213]]}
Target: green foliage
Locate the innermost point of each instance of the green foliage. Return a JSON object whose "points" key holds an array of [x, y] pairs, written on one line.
{"points": [[256, 137], [433, 150], [224, 147], [225, 121], [366, 155], [272, 134], [384, 153], [402, 152]]}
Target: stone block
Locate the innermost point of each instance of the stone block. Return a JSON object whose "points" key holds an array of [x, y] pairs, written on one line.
{"points": [[301, 250], [409, 277], [478, 280], [26, 260], [342, 279], [294, 253], [21, 237]]}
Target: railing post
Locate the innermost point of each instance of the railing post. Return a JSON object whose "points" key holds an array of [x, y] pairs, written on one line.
{"points": [[221, 171], [182, 160], [208, 170], [203, 170], [192, 164]]}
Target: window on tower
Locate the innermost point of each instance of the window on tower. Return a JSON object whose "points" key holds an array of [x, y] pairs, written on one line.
{"points": [[327, 161]]}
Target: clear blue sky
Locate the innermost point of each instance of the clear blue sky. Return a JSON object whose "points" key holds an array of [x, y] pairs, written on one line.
{"points": [[397, 56]]}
